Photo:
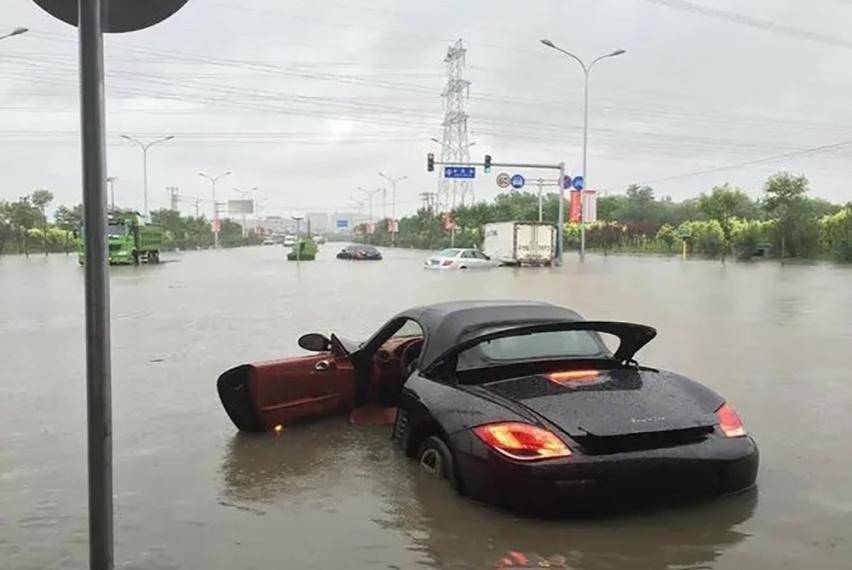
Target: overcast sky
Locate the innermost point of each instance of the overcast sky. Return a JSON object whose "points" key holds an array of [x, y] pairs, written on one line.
{"points": [[309, 99]]}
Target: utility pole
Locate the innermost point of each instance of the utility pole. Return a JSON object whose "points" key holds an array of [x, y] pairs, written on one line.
{"points": [[370, 207], [359, 214], [197, 207], [213, 180], [145, 147], [393, 182], [111, 180]]}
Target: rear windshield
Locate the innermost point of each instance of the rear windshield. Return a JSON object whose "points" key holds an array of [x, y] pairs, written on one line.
{"points": [[116, 230], [448, 253], [549, 345]]}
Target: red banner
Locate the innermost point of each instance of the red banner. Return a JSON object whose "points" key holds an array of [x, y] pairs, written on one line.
{"points": [[449, 222], [574, 212]]}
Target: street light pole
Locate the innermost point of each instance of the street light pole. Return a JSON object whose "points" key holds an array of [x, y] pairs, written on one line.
{"points": [[213, 180], [145, 147], [369, 207], [393, 182], [359, 205], [587, 69]]}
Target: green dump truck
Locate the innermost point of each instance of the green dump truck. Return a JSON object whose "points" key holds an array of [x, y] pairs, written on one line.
{"points": [[131, 240]]}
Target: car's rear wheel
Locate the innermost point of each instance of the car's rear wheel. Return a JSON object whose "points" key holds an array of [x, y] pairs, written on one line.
{"points": [[436, 460]]}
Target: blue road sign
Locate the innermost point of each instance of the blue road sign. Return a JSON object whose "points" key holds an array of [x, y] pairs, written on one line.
{"points": [[342, 224], [578, 182], [518, 181], [566, 182], [459, 172]]}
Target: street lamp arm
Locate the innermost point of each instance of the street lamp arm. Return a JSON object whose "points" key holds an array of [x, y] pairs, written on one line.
{"points": [[604, 56], [135, 141], [158, 141], [15, 32], [551, 45]]}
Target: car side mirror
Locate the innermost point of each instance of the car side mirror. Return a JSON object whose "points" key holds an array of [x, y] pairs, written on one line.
{"points": [[314, 342]]}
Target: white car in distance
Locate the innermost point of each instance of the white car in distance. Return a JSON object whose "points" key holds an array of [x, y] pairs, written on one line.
{"points": [[459, 258]]}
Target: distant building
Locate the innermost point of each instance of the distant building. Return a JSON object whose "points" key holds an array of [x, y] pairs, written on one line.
{"points": [[270, 225], [319, 222]]}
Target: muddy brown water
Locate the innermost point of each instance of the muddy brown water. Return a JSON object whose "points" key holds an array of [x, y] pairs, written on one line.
{"points": [[192, 493]]}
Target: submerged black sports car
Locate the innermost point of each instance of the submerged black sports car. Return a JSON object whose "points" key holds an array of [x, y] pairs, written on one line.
{"points": [[521, 404]]}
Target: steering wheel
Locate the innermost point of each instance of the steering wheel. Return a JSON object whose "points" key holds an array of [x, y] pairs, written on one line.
{"points": [[409, 356]]}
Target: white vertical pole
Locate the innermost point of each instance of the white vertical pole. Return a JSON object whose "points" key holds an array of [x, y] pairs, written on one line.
{"points": [[540, 183], [561, 218]]}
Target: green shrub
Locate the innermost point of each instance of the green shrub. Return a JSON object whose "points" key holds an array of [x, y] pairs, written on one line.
{"points": [[835, 234]]}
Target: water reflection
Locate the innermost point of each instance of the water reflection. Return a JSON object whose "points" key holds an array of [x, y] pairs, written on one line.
{"points": [[262, 467], [454, 532], [458, 533]]}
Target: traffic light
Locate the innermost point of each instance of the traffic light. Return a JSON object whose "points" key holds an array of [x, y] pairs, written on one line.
{"points": [[487, 163], [430, 162]]}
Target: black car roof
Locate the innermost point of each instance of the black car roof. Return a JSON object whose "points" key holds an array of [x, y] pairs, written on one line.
{"points": [[448, 324]]}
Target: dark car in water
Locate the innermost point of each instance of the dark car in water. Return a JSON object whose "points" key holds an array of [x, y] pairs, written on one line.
{"points": [[521, 404], [360, 252]]}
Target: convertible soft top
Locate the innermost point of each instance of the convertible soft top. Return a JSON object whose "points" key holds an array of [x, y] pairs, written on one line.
{"points": [[448, 324]]}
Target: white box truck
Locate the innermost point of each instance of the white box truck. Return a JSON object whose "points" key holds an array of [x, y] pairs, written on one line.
{"points": [[520, 243]]}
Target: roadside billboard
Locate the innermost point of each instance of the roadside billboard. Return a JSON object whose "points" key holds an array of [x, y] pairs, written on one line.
{"points": [[241, 207]]}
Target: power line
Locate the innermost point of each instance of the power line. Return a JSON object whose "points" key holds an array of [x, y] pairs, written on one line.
{"points": [[812, 150], [752, 22]]}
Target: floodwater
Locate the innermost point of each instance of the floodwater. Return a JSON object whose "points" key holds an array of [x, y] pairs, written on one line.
{"points": [[192, 493]]}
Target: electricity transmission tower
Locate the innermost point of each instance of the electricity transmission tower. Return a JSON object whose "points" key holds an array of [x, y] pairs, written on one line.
{"points": [[454, 144], [174, 196], [428, 200]]}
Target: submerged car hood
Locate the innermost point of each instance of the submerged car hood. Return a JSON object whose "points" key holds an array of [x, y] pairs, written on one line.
{"points": [[615, 402]]}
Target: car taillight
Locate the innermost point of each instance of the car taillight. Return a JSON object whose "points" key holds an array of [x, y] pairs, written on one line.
{"points": [[447, 262], [729, 422], [523, 442]]}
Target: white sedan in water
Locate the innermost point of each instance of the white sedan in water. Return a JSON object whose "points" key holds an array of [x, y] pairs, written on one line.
{"points": [[459, 258]]}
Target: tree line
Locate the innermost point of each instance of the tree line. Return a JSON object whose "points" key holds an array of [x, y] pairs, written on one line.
{"points": [[784, 221], [25, 227]]}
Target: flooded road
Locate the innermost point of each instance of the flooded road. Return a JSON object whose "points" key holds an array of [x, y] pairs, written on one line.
{"points": [[192, 493]]}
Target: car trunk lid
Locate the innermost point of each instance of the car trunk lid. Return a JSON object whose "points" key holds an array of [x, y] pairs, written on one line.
{"points": [[638, 405]]}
